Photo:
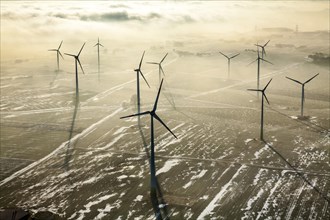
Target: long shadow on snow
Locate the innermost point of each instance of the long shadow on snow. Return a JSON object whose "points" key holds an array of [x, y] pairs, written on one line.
{"points": [[299, 173], [154, 197]]}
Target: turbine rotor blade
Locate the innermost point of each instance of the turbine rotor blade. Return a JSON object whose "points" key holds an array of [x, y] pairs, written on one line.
{"points": [[311, 78], [70, 54], [81, 49], [266, 43], [95, 45], [252, 62], [267, 84], [153, 63], [52, 50], [234, 56], [264, 51], [164, 58], [293, 80], [144, 78], [224, 55], [265, 97], [156, 101], [141, 60], [138, 114], [80, 65], [266, 61], [101, 45], [60, 54], [160, 120], [161, 68], [255, 90], [60, 45]]}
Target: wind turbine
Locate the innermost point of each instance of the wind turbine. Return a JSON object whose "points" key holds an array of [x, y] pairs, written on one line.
{"points": [[229, 58], [159, 67], [153, 180], [58, 53], [262, 108], [76, 58], [263, 51], [302, 91], [98, 54], [258, 69], [170, 99], [138, 72]]}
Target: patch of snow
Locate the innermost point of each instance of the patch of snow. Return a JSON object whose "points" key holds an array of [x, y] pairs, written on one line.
{"points": [[200, 175], [120, 178], [253, 199], [248, 140], [205, 197], [90, 204], [161, 206], [112, 142], [294, 202], [138, 198], [187, 185], [87, 133], [257, 153], [267, 202], [168, 165], [105, 211], [90, 180], [120, 130], [256, 178], [210, 207]]}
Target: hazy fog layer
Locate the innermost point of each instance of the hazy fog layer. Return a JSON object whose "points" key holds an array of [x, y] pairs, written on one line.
{"points": [[28, 28]]}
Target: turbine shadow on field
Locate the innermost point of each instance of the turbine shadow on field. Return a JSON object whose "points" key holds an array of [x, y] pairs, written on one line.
{"points": [[299, 173], [69, 149], [159, 198], [145, 145], [312, 125], [51, 84]]}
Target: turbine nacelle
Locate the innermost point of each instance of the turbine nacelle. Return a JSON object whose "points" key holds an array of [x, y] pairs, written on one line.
{"points": [[98, 43], [263, 51], [229, 58], [76, 57], [262, 91], [159, 64]]}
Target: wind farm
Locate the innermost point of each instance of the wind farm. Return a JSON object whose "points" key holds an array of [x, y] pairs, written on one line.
{"points": [[112, 147]]}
